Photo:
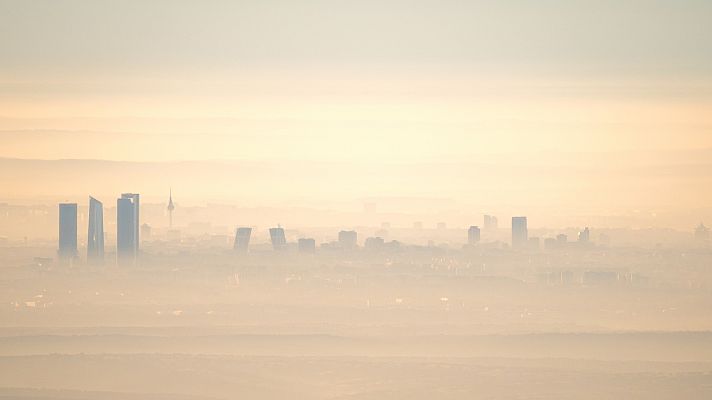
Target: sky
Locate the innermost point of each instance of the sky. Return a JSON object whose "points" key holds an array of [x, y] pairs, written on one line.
{"points": [[562, 103]]}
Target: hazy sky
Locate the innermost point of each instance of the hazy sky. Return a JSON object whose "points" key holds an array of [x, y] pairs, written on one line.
{"points": [[514, 84]]}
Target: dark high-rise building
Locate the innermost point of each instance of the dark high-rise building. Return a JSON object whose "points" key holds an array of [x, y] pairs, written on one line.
{"points": [[584, 236], [490, 223], [242, 239], [520, 234], [95, 235], [67, 231], [279, 241], [306, 245], [473, 235], [348, 239], [127, 228]]}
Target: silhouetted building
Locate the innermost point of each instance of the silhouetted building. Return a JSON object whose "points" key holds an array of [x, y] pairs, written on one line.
{"points": [[374, 243], [473, 235], [702, 233], [95, 235], [242, 239], [520, 233], [279, 241], [67, 231], [562, 240], [127, 228], [306, 245], [170, 208], [490, 223], [584, 236], [348, 239], [146, 231]]}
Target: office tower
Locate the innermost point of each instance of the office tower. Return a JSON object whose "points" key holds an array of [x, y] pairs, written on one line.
{"points": [[279, 241], [374, 243], [170, 208], [473, 235], [584, 236], [242, 239], [519, 232], [127, 228], [67, 231], [490, 223], [306, 245], [136, 207], [95, 236], [348, 239], [561, 239]]}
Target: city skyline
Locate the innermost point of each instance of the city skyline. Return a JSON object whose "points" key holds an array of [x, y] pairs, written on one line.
{"points": [[375, 199]]}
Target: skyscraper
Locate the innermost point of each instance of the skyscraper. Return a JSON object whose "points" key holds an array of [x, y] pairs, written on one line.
{"points": [[348, 239], [473, 235], [127, 228], [95, 236], [279, 241], [520, 234], [242, 239], [490, 223], [67, 231], [584, 236]]}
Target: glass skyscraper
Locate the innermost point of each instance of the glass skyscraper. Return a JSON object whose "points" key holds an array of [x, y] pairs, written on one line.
{"points": [[67, 231], [95, 235], [127, 228], [520, 234], [242, 239], [279, 241]]}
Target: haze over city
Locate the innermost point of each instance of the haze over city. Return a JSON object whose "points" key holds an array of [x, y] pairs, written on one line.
{"points": [[362, 200]]}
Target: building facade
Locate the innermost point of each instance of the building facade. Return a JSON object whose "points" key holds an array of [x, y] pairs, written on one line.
{"points": [[95, 234]]}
